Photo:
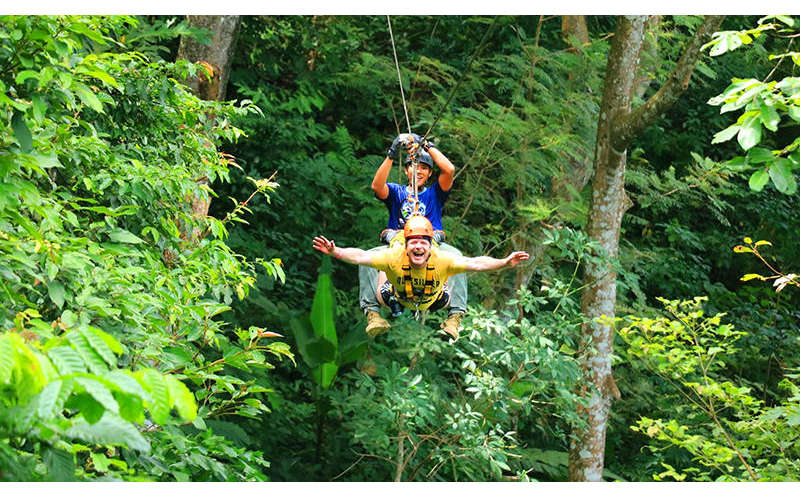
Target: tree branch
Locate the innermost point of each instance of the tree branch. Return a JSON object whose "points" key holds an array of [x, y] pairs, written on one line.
{"points": [[630, 125]]}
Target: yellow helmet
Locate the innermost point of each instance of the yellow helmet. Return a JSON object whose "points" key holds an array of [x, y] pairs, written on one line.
{"points": [[418, 226]]}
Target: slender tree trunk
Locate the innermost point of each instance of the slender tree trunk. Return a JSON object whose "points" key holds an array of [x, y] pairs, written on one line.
{"points": [[617, 127], [575, 32], [576, 176], [216, 58]]}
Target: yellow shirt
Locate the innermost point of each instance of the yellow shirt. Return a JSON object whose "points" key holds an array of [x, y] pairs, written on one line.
{"points": [[442, 264]]}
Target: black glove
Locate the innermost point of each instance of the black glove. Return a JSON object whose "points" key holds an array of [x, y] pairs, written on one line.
{"points": [[427, 144], [413, 146], [402, 140]]}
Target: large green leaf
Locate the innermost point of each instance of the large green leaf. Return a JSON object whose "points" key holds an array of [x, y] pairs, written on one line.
{"points": [[27, 377], [781, 173], [182, 398], [109, 430], [131, 407], [53, 397], [323, 309], [759, 155], [303, 335], [323, 312], [90, 356], [60, 464], [321, 350], [66, 360], [90, 409], [324, 374], [155, 384], [726, 134], [109, 340], [758, 179], [56, 292], [769, 116], [794, 112], [99, 392], [750, 132], [21, 131], [124, 382], [6, 359], [88, 97], [352, 347], [99, 345], [123, 236]]}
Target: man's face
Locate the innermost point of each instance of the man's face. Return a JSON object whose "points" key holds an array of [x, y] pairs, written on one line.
{"points": [[423, 173], [418, 250]]}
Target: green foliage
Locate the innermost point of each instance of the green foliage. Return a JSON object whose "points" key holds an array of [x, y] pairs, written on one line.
{"points": [[69, 388], [112, 289], [764, 104], [729, 433], [450, 413], [136, 316], [781, 279]]}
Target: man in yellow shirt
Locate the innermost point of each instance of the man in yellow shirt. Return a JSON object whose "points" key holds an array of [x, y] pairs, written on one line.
{"points": [[416, 272]]}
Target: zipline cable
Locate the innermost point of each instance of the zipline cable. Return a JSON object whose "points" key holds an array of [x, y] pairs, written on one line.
{"points": [[399, 78], [475, 55], [463, 77], [408, 121]]}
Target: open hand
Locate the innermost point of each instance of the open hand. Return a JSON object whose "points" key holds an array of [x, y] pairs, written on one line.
{"points": [[516, 257], [324, 245]]}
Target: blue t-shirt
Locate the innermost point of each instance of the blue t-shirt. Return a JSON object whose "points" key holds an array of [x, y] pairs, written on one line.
{"points": [[400, 204]]}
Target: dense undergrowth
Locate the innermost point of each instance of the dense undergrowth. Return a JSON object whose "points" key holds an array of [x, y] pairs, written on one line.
{"points": [[139, 342]]}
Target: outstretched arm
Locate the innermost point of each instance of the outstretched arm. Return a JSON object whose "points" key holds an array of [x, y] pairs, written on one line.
{"points": [[349, 255], [485, 263]]}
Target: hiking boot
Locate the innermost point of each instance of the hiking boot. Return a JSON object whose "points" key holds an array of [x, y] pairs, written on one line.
{"points": [[376, 324], [452, 323]]}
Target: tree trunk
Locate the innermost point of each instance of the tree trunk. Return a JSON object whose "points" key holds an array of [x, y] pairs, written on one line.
{"points": [[216, 56], [574, 32], [617, 127], [575, 178]]}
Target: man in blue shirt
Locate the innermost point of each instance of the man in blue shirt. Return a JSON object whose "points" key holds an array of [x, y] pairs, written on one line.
{"points": [[400, 203]]}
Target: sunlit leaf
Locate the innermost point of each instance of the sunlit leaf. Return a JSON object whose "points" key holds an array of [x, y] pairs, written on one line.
{"points": [[783, 178], [88, 98], [758, 179], [182, 398], [109, 430], [750, 133], [124, 236]]}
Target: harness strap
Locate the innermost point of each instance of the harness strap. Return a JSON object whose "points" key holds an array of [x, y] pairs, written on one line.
{"points": [[407, 282]]}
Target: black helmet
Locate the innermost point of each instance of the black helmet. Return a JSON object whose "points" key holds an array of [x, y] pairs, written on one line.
{"points": [[423, 157]]}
